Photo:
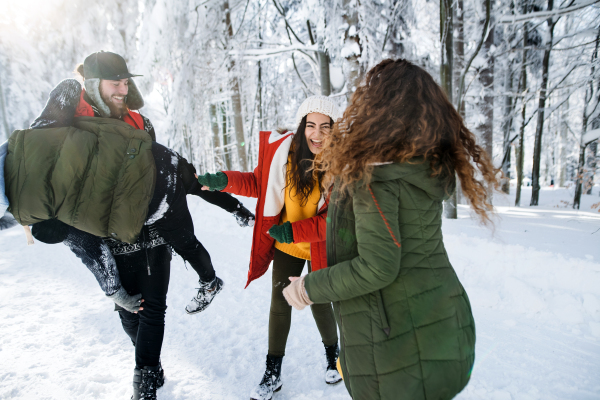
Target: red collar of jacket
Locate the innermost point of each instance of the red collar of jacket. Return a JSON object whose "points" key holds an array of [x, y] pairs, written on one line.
{"points": [[267, 183], [84, 109]]}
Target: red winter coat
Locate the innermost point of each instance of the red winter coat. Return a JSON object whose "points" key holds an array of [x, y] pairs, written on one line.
{"points": [[267, 183]]}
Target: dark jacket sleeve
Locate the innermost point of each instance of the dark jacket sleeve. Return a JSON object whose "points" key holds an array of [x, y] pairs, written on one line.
{"points": [[148, 127], [60, 108], [220, 199]]}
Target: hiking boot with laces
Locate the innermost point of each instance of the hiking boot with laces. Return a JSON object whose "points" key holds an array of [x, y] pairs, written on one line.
{"points": [[206, 293], [332, 375], [271, 381]]}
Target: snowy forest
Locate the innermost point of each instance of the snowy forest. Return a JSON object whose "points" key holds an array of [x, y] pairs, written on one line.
{"points": [[524, 74]]}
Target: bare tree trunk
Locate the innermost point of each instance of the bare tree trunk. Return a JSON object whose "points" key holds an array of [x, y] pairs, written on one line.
{"points": [[539, 130], [325, 79], [236, 99], [446, 37], [486, 106], [260, 107], [591, 166], [522, 89], [578, 184], [563, 150], [508, 119], [214, 124], [459, 65], [589, 98], [459, 50], [352, 47], [226, 138], [507, 128]]}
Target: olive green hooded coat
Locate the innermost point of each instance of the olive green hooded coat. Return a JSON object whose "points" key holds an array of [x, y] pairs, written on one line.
{"points": [[405, 321], [97, 175]]}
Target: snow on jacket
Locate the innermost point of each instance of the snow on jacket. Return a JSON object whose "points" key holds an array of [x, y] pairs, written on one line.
{"points": [[267, 183], [406, 327], [97, 176]]}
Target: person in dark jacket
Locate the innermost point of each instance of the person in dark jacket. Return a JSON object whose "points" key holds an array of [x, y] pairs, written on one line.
{"points": [[406, 327], [143, 266]]}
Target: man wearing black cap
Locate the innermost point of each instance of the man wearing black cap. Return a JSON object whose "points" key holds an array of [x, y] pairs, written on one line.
{"points": [[109, 92]]}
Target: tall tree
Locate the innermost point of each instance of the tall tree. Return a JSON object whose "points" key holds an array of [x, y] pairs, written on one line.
{"points": [[539, 130], [447, 57], [236, 98], [486, 101], [523, 96], [590, 106], [352, 49]]}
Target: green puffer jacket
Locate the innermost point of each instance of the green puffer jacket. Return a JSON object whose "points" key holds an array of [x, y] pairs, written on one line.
{"points": [[407, 331], [97, 176]]}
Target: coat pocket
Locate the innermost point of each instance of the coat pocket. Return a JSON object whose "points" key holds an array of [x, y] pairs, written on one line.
{"points": [[382, 314]]}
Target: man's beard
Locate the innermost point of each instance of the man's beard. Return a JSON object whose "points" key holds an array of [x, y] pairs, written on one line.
{"points": [[116, 110]]}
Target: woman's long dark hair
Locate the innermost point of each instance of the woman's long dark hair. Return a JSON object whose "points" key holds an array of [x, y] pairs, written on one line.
{"points": [[303, 176]]}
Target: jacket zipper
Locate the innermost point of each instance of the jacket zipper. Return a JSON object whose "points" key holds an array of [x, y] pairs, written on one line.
{"points": [[342, 341], [146, 250], [382, 314]]}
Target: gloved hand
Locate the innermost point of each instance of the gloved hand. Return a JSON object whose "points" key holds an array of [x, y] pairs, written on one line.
{"points": [[123, 299], [296, 294], [282, 233], [8, 221], [243, 216], [213, 182]]}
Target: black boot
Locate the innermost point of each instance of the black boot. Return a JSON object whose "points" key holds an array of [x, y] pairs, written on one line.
{"points": [[331, 374], [145, 383], [160, 381], [271, 381]]}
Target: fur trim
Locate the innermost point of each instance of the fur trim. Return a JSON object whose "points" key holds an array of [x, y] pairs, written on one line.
{"points": [[135, 101], [92, 87]]}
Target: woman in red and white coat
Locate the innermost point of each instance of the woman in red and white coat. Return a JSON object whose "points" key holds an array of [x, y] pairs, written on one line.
{"points": [[290, 226]]}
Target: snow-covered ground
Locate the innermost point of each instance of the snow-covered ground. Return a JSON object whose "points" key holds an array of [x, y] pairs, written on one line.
{"points": [[534, 283]]}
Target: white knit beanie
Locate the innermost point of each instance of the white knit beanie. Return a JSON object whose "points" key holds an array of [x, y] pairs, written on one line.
{"points": [[317, 104]]}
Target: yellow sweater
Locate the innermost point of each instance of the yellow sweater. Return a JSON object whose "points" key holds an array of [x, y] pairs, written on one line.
{"points": [[292, 212]]}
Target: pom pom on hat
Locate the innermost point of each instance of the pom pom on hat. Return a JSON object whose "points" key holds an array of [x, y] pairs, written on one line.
{"points": [[317, 104]]}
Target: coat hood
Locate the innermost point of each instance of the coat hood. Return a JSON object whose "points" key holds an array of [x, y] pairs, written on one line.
{"points": [[417, 172]]}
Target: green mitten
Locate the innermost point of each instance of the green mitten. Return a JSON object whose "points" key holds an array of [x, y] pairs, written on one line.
{"points": [[214, 182], [282, 233]]}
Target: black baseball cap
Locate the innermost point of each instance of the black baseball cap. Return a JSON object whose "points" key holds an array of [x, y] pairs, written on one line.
{"points": [[105, 65]]}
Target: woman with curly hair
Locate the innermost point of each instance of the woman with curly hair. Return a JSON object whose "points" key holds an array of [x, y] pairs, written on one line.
{"points": [[290, 227], [407, 331]]}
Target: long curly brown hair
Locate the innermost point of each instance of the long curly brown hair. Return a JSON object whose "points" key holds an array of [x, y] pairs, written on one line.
{"points": [[400, 113]]}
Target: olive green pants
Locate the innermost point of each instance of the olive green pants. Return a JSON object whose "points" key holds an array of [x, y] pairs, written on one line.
{"points": [[280, 317]]}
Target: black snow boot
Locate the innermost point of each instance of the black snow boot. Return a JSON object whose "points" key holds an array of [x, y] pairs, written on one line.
{"points": [[145, 383], [160, 381], [331, 374], [271, 381]]}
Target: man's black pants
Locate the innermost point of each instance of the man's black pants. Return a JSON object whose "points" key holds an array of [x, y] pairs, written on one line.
{"points": [[146, 328]]}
